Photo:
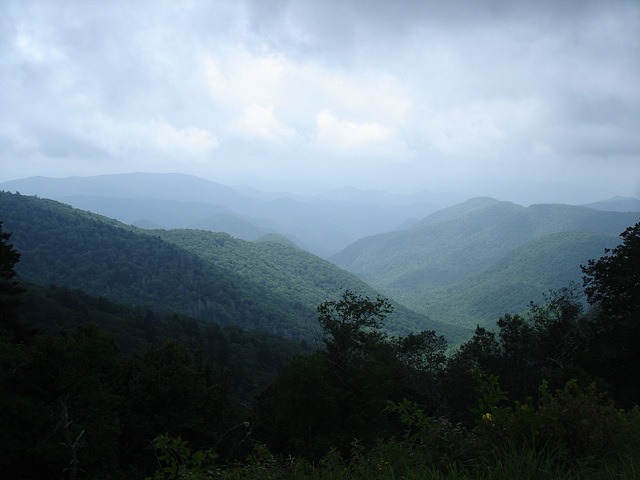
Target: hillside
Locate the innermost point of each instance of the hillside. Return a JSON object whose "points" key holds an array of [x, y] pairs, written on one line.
{"points": [[267, 285], [306, 279], [252, 358], [439, 253], [456, 243], [523, 275], [68, 247]]}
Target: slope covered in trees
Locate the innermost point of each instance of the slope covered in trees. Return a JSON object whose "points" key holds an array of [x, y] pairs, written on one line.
{"points": [[531, 398], [459, 243], [251, 357], [72, 248], [266, 285], [295, 274], [523, 275]]}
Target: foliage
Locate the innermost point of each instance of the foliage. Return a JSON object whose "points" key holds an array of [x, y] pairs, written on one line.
{"points": [[351, 325], [177, 460], [613, 281], [518, 277], [612, 285], [471, 265], [290, 272], [524, 401], [252, 358], [9, 287], [340, 392], [572, 434], [550, 341], [77, 249]]}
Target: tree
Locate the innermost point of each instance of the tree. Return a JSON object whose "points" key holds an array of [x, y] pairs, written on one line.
{"points": [[9, 286], [340, 392], [612, 285], [351, 326], [545, 343], [176, 390], [422, 357]]}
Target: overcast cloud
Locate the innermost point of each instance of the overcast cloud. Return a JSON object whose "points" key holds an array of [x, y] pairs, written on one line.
{"points": [[466, 96]]}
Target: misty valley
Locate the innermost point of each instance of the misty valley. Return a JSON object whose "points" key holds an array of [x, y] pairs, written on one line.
{"points": [[166, 326]]}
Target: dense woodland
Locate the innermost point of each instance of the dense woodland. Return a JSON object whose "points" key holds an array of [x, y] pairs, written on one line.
{"points": [[96, 389], [229, 282]]}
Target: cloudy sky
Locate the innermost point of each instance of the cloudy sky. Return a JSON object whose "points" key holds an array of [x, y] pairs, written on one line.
{"points": [[537, 99]]}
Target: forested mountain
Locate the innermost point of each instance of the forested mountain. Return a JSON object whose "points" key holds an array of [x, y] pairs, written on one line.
{"points": [[267, 286], [523, 275], [68, 247], [459, 243], [534, 395], [322, 225], [306, 279]]}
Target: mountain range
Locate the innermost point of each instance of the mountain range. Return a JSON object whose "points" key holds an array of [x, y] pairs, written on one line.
{"points": [[323, 224], [270, 286], [258, 259], [469, 263]]}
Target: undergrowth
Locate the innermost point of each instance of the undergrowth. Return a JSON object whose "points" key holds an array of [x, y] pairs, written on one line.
{"points": [[571, 434]]}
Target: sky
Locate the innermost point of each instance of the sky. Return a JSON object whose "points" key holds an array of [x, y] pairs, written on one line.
{"points": [[535, 100]]}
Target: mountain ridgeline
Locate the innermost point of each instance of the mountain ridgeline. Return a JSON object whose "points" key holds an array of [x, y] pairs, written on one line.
{"points": [[267, 286], [239, 256], [322, 225], [469, 263], [131, 353]]}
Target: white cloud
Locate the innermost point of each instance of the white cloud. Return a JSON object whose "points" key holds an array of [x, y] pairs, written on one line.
{"points": [[261, 122], [345, 134], [448, 89], [191, 140]]}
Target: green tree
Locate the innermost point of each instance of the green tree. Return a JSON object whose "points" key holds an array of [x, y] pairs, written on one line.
{"points": [[546, 343], [298, 413], [340, 392], [10, 289], [422, 357], [612, 285], [352, 327], [58, 406]]}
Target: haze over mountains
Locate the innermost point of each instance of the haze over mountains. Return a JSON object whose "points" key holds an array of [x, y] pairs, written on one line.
{"points": [[455, 262], [322, 225]]}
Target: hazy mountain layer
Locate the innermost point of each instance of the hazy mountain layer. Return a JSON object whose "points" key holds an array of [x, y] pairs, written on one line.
{"points": [[617, 204], [322, 225]]}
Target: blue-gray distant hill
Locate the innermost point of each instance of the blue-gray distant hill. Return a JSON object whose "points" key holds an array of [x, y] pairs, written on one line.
{"points": [[468, 263], [322, 225]]}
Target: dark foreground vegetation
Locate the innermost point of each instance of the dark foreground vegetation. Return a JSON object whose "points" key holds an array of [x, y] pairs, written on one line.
{"points": [[552, 393]]}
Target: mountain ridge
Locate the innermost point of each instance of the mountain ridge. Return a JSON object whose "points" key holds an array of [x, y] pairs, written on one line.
{"points": [[77, 249], [462, 241], [321, 226]]}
